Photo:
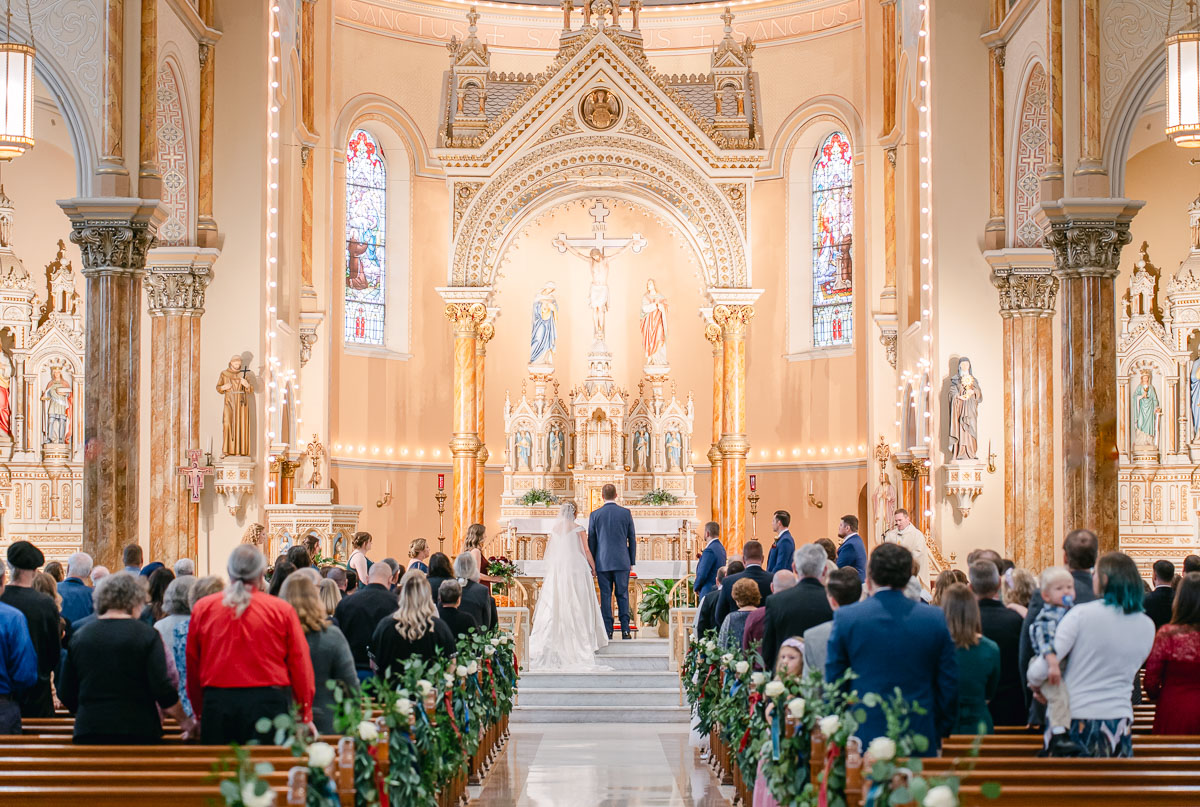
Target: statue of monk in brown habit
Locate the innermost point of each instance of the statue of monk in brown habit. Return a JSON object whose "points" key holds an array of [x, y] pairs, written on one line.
{"points": [[235, 420]]}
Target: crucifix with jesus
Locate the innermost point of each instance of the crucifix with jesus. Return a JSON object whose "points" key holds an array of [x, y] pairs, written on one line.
{"points": [[596, 249], [194, 472]]}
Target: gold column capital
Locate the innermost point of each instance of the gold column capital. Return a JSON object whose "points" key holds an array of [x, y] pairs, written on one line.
{"points": [[486, 332], [733, 319], [466, 317], [712, 332]]}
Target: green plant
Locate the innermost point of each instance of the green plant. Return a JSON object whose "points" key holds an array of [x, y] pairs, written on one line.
{"points": [[536, 496], [246, 788], [654, 607], [659, 496]]}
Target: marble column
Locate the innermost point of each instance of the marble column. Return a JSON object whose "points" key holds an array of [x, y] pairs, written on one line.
{"points": [[1086, 236], [712, 332], [465, 319], [307, 78], [176, 279], [113, 176], [1090, 176], [149, 178], [733, 320], [206, 226], [113, 235], [486, 331], [1028, 289], [1052, 177], [888, 8], [995, 232]]}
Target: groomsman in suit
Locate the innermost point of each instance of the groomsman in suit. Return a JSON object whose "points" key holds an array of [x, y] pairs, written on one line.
{"points": [[852, 552], [711, 559], [752, 553], [784, 547], [612, 540], [799, 608], [1158, 603]]}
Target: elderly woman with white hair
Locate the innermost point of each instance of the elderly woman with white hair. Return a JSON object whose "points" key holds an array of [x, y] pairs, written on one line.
{"points": [[173, 628], [247, 657], [115, 673], [476, 597]]}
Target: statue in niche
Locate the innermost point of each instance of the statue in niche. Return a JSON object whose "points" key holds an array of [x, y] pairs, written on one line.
{"points": [[557, 443], [235, 420], [965, 397], [543, 337], [641, 450], [654, 325], [57, 397], [6, 374], [674, 445], [524, 445], [1146, 411], [1194, 390], [884, 501]]}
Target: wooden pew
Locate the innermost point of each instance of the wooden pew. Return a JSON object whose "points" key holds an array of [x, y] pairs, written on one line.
{"points": [[291, 789]]}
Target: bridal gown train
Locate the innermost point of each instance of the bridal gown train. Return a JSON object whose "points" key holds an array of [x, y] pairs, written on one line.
{"points": [[567, 628]]}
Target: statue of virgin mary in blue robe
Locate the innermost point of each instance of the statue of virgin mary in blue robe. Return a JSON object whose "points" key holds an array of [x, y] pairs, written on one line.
{"points": [[543, 337]]}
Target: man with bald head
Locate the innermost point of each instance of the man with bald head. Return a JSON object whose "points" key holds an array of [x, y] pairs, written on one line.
{"points": [[359, 613], [756, 622]]}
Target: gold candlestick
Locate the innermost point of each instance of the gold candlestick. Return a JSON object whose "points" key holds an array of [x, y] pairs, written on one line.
{"points": [[752, 497], [441, 501]]}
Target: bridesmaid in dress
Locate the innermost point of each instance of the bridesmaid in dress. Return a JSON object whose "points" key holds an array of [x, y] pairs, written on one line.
{"points": [[1172, 677]]}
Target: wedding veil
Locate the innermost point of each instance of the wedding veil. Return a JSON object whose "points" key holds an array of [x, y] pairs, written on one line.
{"points": [[563, 549]]}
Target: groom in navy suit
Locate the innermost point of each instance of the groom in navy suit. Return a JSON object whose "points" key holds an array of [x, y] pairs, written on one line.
{"points": [[711, 559], [612, 541]]}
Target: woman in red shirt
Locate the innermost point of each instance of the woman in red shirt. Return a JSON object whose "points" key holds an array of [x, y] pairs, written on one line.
{"points": [[247, 657], [1172, 677]]}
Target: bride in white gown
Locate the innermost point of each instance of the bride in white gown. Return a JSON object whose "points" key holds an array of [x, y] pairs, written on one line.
{"points": [[567, 628]]}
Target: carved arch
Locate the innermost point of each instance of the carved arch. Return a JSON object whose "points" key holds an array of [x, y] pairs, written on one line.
{"points": [[1031, 154], [628, 164]]}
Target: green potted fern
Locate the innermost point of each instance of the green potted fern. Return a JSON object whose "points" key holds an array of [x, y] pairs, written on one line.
{"points": [[655, 609]]}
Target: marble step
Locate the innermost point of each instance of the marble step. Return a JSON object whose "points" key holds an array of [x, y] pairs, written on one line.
{"points": [[597, 680], [600, 714], [560, 696], [621, 647]]}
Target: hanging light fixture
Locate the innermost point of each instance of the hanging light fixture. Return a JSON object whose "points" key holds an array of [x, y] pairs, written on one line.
{"points": [[1183, 81], [16, 84]]}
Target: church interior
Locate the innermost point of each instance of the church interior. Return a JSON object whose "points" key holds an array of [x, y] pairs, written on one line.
{"points": [[281, 272]]}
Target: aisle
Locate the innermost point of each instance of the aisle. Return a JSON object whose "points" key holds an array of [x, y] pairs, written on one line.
{"points": [[600, 765]]}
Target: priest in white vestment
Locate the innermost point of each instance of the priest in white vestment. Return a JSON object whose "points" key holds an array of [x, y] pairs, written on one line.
{"points": [[908, 536]]}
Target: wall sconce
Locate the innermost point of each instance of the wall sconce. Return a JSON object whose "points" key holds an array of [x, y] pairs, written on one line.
{"points": [[812, 497], [387, 495]]}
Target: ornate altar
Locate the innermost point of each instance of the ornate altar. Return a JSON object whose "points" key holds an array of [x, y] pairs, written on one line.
{"points": [[41, 395], [332, 524], [1158, 410]]}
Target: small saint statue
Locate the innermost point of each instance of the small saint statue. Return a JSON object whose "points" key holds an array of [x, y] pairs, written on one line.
{"points": [[884, 500], [674, 445], [524, 446], [965, 397], [543, 336], [641, 450], [315, 452], [1146, 410], [556, 438], [6, 373], [235, 420], [654, 326], [57, 397]]}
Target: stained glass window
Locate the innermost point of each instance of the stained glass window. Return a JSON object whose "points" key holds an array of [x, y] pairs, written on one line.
{"points": [[366, 235], [833, 240]]}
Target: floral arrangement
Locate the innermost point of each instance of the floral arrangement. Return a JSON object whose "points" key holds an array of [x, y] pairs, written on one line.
{"points": [[536, 496], [246, 788], [659, 496], [504, 569], [293, 735]]}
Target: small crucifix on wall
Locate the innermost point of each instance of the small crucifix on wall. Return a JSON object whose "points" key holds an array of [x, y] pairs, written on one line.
{"points": [[194, 472]]}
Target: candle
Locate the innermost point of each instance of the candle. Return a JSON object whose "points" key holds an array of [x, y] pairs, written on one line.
{"points": [[753, 482], [441, 481], [389, 486], [810, 487]]}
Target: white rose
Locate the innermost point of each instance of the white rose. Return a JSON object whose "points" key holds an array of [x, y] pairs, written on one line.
{"points": [[367, 731], [796, 707], [462, 671], [728, 657], [774, 689], [424, 687], [757, 678], [495, 640], [320, 755], [829, 725], [472, 668], [940, 796], [404, 707], [741, 667], [710, 645], [882, 749], [250, 799], [448, 678], [488, 650], [403, 693]]}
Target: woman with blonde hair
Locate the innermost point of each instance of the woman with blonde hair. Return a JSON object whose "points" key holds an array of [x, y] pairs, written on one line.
{"points": [[1019, 585], [330, 595], [359, 562], [328, 648], [413, 630], [418, 553]]}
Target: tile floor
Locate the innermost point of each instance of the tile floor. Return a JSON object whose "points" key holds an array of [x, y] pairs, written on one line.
{"points": [[600, 765]]}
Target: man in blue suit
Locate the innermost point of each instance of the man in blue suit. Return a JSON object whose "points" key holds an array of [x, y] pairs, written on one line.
{"points": [[780, 556], [891, 641], [852, 552], [711, 559], [613, 544]]}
